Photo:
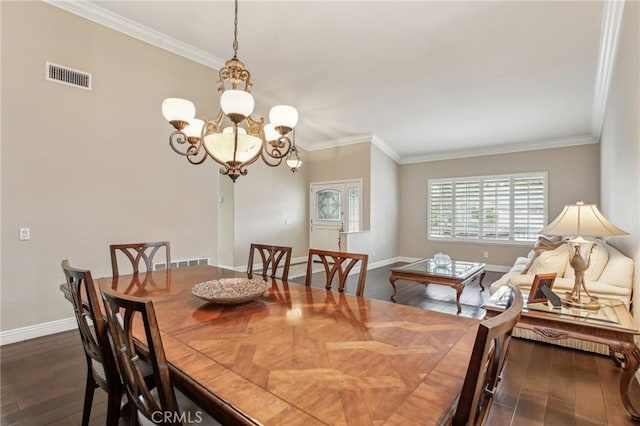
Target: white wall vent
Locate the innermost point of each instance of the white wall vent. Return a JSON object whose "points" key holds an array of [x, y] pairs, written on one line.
{"points": [[68, 76], [181, 263]]}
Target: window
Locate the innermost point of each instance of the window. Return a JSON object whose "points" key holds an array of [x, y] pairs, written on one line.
{"points": [[505, 208]]}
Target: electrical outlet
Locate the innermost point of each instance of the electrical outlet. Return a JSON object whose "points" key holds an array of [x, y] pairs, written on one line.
{"points": [[25, 234], [485, 255]]}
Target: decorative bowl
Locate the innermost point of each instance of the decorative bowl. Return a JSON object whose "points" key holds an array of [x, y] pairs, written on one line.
{"points": [[231, 291]]}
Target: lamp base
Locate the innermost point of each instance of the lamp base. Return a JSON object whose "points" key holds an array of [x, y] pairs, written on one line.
{"points": [[590, 303]]}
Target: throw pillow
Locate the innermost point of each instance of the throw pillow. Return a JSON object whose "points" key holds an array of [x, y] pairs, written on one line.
{"points": [[543, 244], [551, 261]]}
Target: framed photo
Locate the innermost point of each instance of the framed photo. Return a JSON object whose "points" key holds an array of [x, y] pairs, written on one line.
{"points": [[535, 294]]}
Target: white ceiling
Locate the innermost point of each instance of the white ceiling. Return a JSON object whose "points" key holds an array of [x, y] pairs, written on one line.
{"points": [[426, 78]]}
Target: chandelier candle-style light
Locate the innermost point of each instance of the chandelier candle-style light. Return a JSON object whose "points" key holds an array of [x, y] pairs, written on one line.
{"points": [[233, 139]]}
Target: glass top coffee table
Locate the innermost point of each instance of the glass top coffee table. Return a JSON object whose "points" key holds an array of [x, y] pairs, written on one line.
{"points": [[455, 275]]}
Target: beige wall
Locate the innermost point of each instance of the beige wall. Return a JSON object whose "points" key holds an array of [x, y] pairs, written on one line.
{"points": [[384, 206], [84, 169], [567, 184], [344, 163], [620, 143], [271, 207]]}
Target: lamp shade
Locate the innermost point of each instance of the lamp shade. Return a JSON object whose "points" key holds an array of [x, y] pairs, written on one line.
{"points": [[194, 129], [582, 220], [237, 102], [176, 109], [221, 146], [283, 116], [270, 133]]}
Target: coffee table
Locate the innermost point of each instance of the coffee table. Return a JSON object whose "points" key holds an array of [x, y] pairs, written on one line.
{"points": [[612, 325], [455, 275]]}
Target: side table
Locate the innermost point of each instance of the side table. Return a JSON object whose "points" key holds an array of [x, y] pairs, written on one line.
{"points": [[612, 326]]}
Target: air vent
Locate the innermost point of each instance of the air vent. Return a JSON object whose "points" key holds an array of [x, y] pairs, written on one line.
{"points": [[68, 76], [182, 263]]}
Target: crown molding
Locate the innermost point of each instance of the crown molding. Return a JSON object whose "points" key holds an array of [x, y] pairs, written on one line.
{"points": [[386, 148], [611, 22], [333, 143], [502, 149], [131, 28]]}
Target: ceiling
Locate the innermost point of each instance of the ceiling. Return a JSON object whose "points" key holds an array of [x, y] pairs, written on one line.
{"points": [[429, 79]]}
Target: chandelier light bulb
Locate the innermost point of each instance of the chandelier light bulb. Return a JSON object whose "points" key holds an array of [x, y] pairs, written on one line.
{"points": [[270, 133], [237, 104], [284, 118], [194, 129], [178, 110]]}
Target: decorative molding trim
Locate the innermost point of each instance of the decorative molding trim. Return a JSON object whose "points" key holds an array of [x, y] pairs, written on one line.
{"points": [[609, 34], [333, 143], [385, 147], [131, 28], [502, 149], [37, 330]]}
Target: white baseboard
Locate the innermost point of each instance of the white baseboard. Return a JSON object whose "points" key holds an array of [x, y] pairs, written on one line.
{"points": [[37, 330]]}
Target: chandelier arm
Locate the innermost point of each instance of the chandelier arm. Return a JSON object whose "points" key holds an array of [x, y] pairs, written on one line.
{"points": [[269, 160], [279, 148]]}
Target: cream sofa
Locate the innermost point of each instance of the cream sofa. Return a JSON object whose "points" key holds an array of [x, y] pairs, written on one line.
{"points": [[610, 275]]}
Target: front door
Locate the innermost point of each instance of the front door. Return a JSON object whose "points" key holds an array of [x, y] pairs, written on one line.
{"points": [[335, 207]]}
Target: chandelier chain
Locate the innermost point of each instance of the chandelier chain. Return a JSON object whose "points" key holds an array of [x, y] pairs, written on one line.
{"points": [[235, 31]]}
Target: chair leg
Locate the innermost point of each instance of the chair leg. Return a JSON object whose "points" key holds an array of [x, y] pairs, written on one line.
{"points": [[113, 407], [88, 397]]}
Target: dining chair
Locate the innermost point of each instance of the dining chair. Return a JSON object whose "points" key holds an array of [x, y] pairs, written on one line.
{"points": [[339, 263], [271, 257], [137, 252], [487, 362], [164, 404], [101, 365]]}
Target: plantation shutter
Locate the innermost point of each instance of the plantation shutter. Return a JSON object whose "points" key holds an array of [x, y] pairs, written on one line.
{"points": [[491, 208], [440, 207], [528, 207]]}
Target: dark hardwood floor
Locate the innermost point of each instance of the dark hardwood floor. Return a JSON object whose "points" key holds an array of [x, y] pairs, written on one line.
{"points": [[42, 380]]}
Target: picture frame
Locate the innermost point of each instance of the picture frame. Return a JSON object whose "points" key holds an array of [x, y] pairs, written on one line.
{"points": [[535, 294]]}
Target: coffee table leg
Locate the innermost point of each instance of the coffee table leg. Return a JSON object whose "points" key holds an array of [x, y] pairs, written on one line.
{"points": [[630, 356], [481, 279], [392, 280], [459, 289]]}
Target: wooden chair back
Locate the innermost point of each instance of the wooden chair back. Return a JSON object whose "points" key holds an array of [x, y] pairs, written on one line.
{"points": [[340, 264], [486, 364], [271, 257], [137, 252], [123, 313], [101, 365]]}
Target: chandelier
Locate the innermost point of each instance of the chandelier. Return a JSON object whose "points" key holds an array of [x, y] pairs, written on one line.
{"points": [[233, 138]]}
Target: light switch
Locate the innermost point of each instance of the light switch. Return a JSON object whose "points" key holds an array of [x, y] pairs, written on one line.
{"points": [[25, 234]]}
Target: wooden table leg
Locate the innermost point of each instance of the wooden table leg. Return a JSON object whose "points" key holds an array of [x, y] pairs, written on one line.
{"points": [[459, 289], [392, 280], [630, 356], [481, 279]]}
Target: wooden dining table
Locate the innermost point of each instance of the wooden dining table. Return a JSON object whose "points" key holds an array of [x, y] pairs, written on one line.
{"points": [[300, 355]]}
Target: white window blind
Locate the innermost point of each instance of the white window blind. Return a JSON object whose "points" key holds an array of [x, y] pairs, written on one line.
{"points": [[489, 208]]}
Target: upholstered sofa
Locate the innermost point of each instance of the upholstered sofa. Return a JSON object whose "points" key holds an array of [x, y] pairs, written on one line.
{"points": [[610, 275]]}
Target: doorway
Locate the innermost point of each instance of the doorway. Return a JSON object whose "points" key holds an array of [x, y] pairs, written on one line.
{"points": [[335, 207]]}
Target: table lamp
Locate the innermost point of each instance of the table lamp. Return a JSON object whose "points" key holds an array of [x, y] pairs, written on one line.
{"points": [[581, 220]]}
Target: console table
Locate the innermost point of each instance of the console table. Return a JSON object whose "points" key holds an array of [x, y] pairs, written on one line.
{"points": [[612, 325]]}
